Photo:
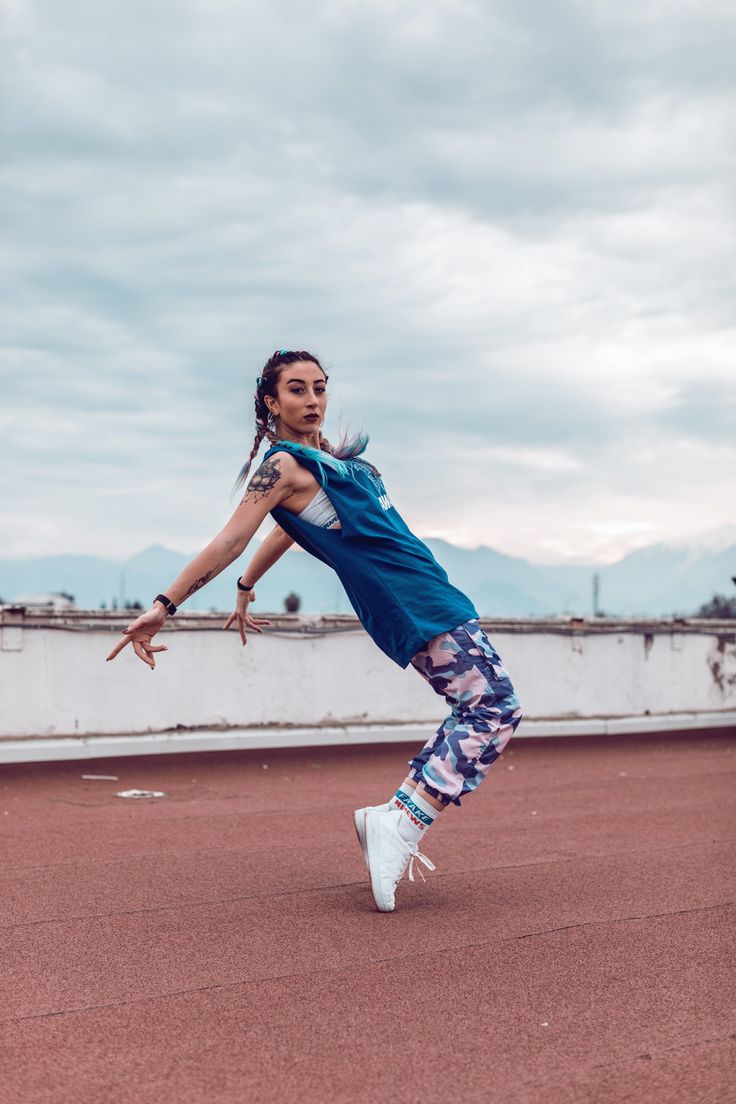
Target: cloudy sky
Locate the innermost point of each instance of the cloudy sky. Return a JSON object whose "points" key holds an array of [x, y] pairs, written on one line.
{"points": [[506, 228]]}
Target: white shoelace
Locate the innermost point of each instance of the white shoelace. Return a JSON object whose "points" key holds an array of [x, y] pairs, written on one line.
{"points": [[415, 853]]}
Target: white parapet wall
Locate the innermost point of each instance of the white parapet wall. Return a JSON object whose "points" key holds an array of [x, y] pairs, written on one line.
{"points": [[309, 680]]}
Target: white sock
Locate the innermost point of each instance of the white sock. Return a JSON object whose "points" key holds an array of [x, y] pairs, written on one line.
{"points": [[397, 801], [418, 814], [386, 807]]}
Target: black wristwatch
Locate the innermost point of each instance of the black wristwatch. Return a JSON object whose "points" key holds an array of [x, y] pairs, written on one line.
{"points": [[170, 607], [241, 587]]}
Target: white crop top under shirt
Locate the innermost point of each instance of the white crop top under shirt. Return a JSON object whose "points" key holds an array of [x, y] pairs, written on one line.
{"points": [[321, 512]]}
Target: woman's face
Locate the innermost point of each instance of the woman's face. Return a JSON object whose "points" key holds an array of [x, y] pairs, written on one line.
{"points": [[301, 399]]}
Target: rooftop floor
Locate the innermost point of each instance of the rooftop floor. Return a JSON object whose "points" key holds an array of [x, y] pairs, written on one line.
{"points": [[574, 945]]}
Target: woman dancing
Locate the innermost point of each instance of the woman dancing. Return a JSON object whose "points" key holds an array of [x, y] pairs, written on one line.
{"points": [[334, 504]]}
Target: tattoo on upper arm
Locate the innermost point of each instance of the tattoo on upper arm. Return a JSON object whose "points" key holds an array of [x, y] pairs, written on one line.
{"points": [[264, 480], [198, 583]]}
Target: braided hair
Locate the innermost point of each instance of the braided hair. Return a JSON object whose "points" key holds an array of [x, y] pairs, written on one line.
{"points": [[266, 384]]}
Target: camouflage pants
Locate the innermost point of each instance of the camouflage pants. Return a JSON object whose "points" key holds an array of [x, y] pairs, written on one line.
{"points": [[465, 668]]}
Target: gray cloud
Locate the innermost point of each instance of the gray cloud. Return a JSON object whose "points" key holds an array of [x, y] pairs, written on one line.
{"points": [[504, 227]]}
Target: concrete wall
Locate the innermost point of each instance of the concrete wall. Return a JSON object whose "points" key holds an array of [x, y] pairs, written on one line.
{"points": [[54, 680]]}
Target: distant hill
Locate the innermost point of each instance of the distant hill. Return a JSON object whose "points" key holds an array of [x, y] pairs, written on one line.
{"points": [[662, 579], [672, 577]]}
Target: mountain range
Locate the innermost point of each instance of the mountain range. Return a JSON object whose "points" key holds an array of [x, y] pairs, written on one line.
{"points": [[660, 580]]}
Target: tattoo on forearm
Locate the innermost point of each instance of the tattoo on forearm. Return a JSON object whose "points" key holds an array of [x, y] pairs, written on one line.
{"points": [[199, 583], [263, 481]]}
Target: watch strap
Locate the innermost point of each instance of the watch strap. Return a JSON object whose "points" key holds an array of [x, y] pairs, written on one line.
{"points": [[170, 607]]}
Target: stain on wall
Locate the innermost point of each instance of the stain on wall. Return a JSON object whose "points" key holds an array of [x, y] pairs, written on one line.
{"points": [[722, 662]]}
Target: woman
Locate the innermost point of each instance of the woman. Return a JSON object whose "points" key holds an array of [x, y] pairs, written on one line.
{"points": [[334, 504]]}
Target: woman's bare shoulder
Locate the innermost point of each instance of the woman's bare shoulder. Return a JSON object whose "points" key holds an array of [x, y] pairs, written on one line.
{"points": [[282, 464], [280, 458]]}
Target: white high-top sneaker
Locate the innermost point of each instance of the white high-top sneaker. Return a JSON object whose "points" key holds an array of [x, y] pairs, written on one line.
{"points": [[359, 822], [388, 855]]}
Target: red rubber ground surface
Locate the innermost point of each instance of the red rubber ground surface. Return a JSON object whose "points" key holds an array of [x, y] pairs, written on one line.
{"points": [[222, 945]]}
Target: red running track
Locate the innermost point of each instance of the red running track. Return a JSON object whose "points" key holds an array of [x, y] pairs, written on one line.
{"points": [[576, 943]]}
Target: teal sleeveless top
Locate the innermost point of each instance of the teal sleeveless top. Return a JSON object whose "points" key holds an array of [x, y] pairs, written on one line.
{"points": [[399, 592]]}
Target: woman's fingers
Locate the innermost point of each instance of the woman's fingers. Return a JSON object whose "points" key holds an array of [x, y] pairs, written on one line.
{"points": [[256, 622], [246, 622], [119, 647], [142, 654], [142, 647]]}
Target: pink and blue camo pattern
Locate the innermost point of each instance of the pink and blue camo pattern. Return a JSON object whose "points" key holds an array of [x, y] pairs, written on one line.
{"points": [[465, 668]]}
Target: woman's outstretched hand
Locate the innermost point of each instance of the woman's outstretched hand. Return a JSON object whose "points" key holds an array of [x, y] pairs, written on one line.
{"points": [[140, 633], [242, 618]]}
